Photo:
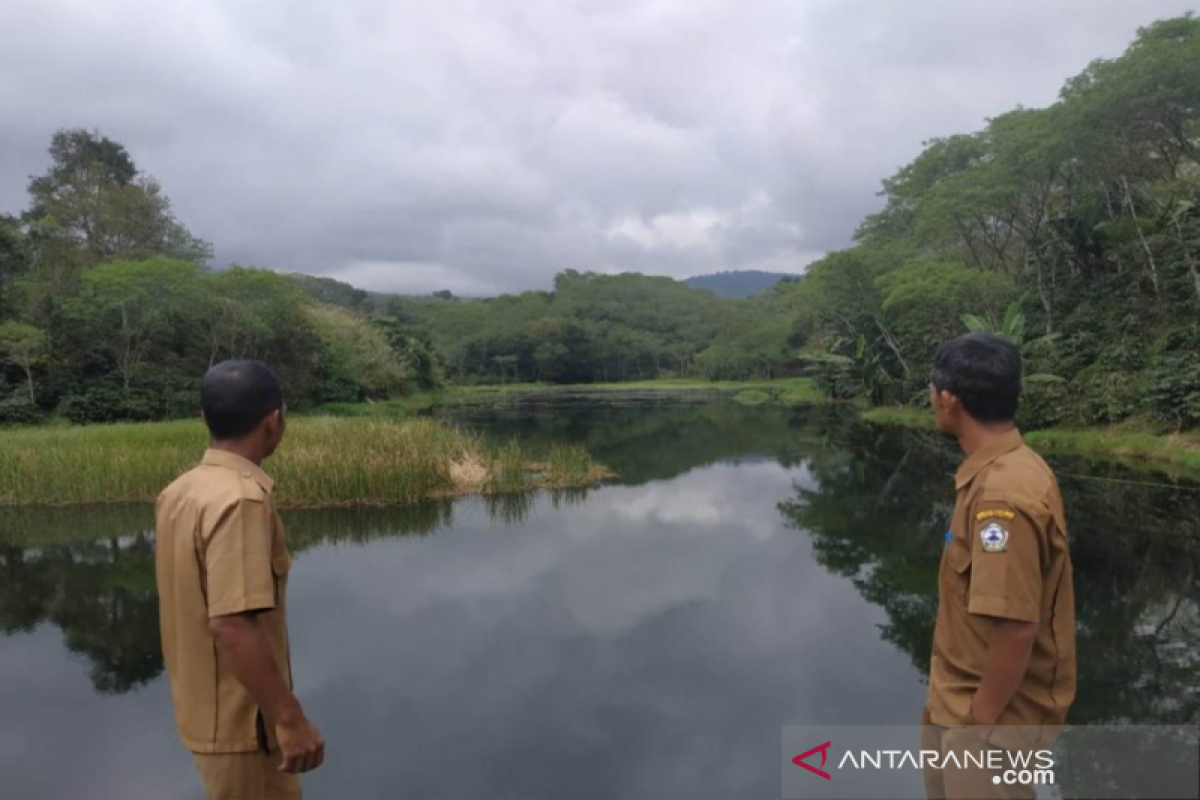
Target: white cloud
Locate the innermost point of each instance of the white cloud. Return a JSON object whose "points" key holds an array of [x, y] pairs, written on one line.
{"points": [[485, 146], [696, 228]]}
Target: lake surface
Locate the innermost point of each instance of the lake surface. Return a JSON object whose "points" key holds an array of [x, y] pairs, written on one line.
{"points": [[751, 567]]}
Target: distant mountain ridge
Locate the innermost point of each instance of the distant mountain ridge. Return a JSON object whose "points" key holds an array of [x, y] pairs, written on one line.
{"points": [[739, 284]]}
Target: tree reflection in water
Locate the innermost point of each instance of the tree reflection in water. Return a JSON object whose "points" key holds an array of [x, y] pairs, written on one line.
{"points": [[92, 576], [881, 506]]}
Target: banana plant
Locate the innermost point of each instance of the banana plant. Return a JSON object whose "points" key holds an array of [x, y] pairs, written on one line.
{"points": [[1012, 328], [862, 373]]}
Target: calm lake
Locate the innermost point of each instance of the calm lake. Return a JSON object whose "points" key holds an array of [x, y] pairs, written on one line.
{"points": [[752, 567]]}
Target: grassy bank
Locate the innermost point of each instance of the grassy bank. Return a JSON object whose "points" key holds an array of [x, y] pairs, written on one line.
{"points": [[325, 461], [1130, 444]]}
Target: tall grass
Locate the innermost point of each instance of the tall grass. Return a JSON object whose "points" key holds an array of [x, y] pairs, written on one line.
{"points": [[324, 461]]}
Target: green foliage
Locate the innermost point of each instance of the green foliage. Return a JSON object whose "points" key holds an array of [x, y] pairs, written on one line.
{"points": [[94, 206], [26, 347], [1173, 383], [859, 374], [748, 344], [1086, 210], [594, 328], [355, 361], [102, 402], [14, 261], [19, 410], [127, 309], [1012, 328]]}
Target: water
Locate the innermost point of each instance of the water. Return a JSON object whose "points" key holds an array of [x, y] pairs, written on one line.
{"points": [[750, 568]]}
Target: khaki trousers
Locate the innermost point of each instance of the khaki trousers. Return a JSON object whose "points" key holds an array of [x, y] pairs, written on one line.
{"points": [[246, 776], [971, 782]]}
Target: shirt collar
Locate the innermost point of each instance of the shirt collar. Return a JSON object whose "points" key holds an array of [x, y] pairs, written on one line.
{"points": [[245, 467], [986, 455]]}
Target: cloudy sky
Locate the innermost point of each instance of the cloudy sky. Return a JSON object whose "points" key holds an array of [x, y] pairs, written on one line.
{"points": [[483, 145]]}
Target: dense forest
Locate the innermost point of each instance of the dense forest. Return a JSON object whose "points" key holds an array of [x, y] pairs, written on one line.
{"points": [[1072, 229]]}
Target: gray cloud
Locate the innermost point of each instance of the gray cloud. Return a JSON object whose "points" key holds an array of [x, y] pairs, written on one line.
{"points": [[481, 147]]}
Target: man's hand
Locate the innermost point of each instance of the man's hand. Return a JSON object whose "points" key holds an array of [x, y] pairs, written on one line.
{"points": [[1009, 648], [242, 642], [300, 744]]}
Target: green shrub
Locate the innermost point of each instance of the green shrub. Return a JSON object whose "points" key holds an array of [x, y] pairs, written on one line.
{"points": [[1045, 405], [1173, 389], [18, 410], [106, 403]]}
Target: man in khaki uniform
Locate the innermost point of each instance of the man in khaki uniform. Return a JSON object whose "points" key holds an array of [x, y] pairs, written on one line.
{"points": [[1004, 642], [221, 565]]}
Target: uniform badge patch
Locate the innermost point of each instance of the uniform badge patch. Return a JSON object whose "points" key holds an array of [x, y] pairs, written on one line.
{"points": [[994, 513], [994, 538]]}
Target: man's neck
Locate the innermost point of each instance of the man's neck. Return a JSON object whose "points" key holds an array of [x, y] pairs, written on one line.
{"points": [[976, 436], [247, 450]]}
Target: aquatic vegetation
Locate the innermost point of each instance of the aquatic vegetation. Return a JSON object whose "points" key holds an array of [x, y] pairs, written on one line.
{"points": [[325, 461]]}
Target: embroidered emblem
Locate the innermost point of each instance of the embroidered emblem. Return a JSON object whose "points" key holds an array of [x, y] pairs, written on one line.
{"points": [[994, 513], [994, 538]]}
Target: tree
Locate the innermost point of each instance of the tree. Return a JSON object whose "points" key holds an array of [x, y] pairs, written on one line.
{"points": [[93, 206], [420, 363], [129, 307], [355, 361], [748, 343], [25, 346], [1090, 207]]}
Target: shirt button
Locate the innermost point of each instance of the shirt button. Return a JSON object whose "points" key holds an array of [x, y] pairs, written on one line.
{"points": [[245, 474]]}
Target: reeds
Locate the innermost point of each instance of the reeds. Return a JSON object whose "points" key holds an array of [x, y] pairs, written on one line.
{"points": [[324, 461]]}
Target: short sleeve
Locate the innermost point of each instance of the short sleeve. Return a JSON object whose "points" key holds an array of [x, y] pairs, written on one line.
{"points": [[237, 561], [1006, 572]]}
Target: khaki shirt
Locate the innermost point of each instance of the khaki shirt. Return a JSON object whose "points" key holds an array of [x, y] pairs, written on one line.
{"points": [[1005, 557], [219, 550]]}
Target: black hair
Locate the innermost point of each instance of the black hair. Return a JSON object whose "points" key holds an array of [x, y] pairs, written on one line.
{"points": [[984, 372], [236, 396]]}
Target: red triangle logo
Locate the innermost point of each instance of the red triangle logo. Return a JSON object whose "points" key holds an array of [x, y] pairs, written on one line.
{"points": [[823, 749]]}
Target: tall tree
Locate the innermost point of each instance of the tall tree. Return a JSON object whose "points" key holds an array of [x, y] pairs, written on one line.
{"points": [[93, 206]]}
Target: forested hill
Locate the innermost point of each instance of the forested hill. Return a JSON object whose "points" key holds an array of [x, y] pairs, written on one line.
{"points": [[739, 284], [1073, 229]]}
